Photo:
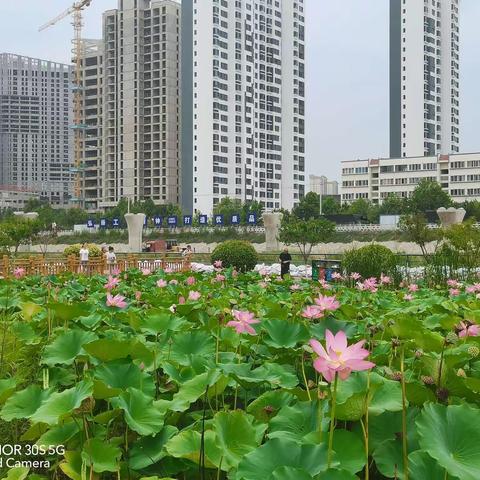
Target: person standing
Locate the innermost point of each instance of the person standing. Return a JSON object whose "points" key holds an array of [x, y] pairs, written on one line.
{"points": [[84, 253], [111, 260], [285, 260]]}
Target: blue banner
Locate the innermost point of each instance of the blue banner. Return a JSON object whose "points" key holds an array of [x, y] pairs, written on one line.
{"points": [[203, 220], [145, 222], [103, 223], [235, 220], [252, 218], [116, 223], [187, 220], [172, 221], [218, 219], [157, 221], [90, 224]]}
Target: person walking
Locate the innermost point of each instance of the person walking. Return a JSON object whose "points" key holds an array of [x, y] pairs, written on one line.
{"points": [[111, 260], [285, 260], [84, 253]]}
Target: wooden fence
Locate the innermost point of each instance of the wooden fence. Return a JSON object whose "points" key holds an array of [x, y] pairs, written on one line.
{"points": [[37, 265]]}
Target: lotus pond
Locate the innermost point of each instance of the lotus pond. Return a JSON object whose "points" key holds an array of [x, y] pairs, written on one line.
{"points": [[237, 376]]}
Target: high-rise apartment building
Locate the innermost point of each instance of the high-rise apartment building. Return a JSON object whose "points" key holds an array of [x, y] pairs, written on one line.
{"points": [[424, 77], [243, 93], [35, 117], [132, 89], [323, 186]]}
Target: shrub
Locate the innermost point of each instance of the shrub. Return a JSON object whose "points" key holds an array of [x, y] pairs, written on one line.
{"points": [[370, 261], [94, 251], [236, 253]]}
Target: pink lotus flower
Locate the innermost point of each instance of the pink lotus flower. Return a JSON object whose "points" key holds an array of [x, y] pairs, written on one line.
{"points": [[295, 287], [453, 283], [217, 264], [146, 271], [116, 271], [162, 283], [408, 297], [19, 272], [234, 274], [327, 303], [173, 282], [337, 276], [468, 329], [243, 321], [112, 282], [220, 278], [168, 270], [181, 300], [138, 295], [116, 301], [355, 276], [338, 357], [312, 311], [190, 280], [193, 295], [454, 292], [385, 280], [263, 272], [324, 284], [413, 287], [263, 284], [371, 284]]}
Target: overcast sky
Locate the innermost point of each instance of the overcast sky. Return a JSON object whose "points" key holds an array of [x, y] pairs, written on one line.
{"points": [[347, 69]]}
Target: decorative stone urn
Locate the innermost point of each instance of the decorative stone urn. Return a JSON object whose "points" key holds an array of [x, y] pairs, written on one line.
{"points": [[272, 222], [451, 216], [135, 222]]}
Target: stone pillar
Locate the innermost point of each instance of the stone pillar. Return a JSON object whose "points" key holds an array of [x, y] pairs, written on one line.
{"points": [[451, 216], [272, 222], [135, 223]]}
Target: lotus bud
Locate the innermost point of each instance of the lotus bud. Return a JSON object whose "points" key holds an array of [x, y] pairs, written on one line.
{"points": [[322, 395], [311, 384], [461, 373], [418, 353]]}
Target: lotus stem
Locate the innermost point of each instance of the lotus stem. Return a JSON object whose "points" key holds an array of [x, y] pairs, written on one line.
{"points": [[365, 427], [404, 415], [332, 421], [305, 378]]}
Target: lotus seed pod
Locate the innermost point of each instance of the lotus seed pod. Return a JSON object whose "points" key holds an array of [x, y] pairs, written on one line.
{"points": [[473, 351], [442, 394], [427, 380], [451, 338], [395, 342]]}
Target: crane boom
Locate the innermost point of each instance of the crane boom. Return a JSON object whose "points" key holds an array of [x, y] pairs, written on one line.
{"points": [[79, 127], [66, 13]]}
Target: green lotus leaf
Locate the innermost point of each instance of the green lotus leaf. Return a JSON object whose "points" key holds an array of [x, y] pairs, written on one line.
{"points": [[279, 452], [349, 449], [67, 312], [188, 345], [389, 459], [66, 347], [7, 387], [59, 435], [60, 405], [282, 334], [30, 309], [290, 473], [334, 474], [140, 413], [122, 374], [187, 445], [421, 466], [269, 404], [451, 436], [17, 473], [108, 349], [159, 322], [149, 450], [235, 436], [24, 404], [25, 333], [101, 455]]}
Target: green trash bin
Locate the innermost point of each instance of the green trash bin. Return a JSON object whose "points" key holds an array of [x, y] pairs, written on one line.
{"points": [[318, 270]]}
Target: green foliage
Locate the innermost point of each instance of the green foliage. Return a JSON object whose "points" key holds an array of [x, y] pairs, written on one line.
{"points": [[308, 207], [418, 231], [331, 206], [305, 234], [235, 253], [94, 250], [17, 231], [228, 207], [429, 195], [370, 261], [394, 205]]}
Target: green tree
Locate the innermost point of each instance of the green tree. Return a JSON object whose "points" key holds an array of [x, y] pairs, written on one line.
{"points": [[305, 233], [331, 206], [429, 195], [394, 205], [252, 207], [227, 207], [472, 209], [17, 231], [417, 230], [308, 207], [361, 206]]}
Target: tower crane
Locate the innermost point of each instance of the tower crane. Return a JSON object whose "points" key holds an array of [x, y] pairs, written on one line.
{"points": [[78, 127]]}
